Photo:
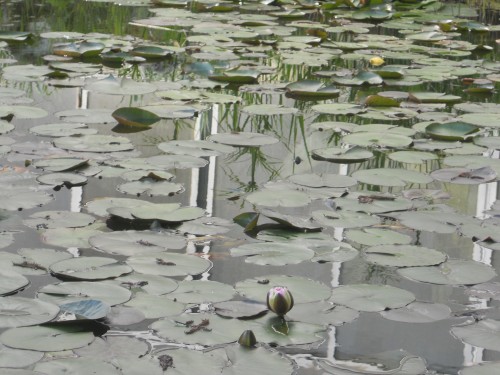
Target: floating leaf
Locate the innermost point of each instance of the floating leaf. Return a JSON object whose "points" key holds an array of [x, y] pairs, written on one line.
{"points": [[342, 155], [132, 116], [273, 253], [451, 131], [485, 334], [403, 255], [366, 297], [196, 291], [391, 177], [465, 176], [243, 139], [418, 312], [20, 311], [89, 268], [169, 264]]}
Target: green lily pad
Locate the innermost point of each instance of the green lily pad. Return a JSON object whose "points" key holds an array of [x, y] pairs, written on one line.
{"points": [[322, 312], [465, 176], [62, 366], [485, 334], [197, 291], [451, 131], [60, 164], [273, 253], [322, 180], [342, 155], [89, 268], [133, 116], [12, 282], [376, 236], [154, 307], [62, 130], [412, 157], [67, 292], [94, 143], [490, 142], [344, 219], [278, 198], [362, 78], [338, 109], [240, 309], [121, 86], [58, 219], [59, 179], [366, 297], [372, 139], [169, 264], [403, 256], [237, 76], [451, 272], [47, 338], [391, 177], [196, 148], [18, 358], [169, 212], [20, 311], [243, 139], [481, 369], [129, 243], [71, 237], [418, 312], [15, 198], [151, 188], [309, 89]]}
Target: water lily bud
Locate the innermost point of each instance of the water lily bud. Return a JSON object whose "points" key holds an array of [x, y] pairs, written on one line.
{"points": [[377, 61], [279, 300], [247, 339]]}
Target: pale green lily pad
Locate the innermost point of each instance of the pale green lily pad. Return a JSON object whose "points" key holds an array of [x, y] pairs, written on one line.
{"points": [[63, 366], [485, 334], [372, 203], [438, 222], [303, 290], [490, 142], [362, 78], [71, 237], [5, 127], [151, 188], [465, 176], [434, 97], [175, 161], [403, 256], [47, 338], [169, 264], [335, 126], [323, 180], [60, 164], [62, 129], [37, 261], [366, 297], [154, 306], [273, 253], [12, 282], [243, 139], [240, 309], [87, 116], [418, 312], [389, 114], [94, 143], [310, 89], [205, 226], [344, 219], [333, 251], [15, 198], [114, 348], [112, 85], [129, 243], [412, 157], [196, 148], [17, 358], [89, 268], [338, 109], [451, 131], [342, 155], [59, 179], [451, 272], [376, 236], [151, 284], [483, 120], [100, 205], [237, 76], [22, 112], [20, 311], [73, 291], [291, 221], [198, 291], [169, 212], [58, 219], [322, 312], [391, 177], [83, 49], [278, 198], [172, 111], [487, 368]]}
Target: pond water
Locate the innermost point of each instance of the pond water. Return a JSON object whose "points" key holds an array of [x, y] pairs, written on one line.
{"points": [[169, 161]]}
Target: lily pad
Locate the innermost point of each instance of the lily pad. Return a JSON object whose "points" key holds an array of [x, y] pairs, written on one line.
{"points": [[62, 366], [59, 179], [273, 253], [451, 272], [481, 369], [376, 236], [89, 268], [243, 139], [342, 155], [372, 139], [196, 291], [62, 129], [58, 219], [485, 334], [451, 131], [94, 143], [154, 307], [21, 311], [132, 116], [418, 312], [366, 297], [391, 177], [278, 198], [169, 264], [47, 338], [12, 282], [403, 256], [130, 243], [344, 219], [465, 176]]}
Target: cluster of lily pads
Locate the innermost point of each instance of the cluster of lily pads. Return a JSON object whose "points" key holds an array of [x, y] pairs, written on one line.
{"points": [[360, 99]]}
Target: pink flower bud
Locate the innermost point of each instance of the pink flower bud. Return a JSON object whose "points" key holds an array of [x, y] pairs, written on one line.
{"points": [[279, 300]]}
